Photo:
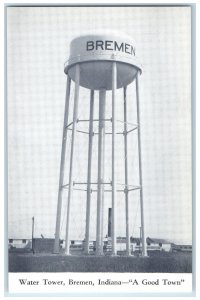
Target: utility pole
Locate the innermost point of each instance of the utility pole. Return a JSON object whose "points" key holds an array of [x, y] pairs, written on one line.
{"points": [[33, 250]]}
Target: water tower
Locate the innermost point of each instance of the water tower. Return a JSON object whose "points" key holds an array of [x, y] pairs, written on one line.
{"points": [[100, 63]]}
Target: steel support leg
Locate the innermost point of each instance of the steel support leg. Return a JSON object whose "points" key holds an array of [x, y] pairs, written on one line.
{"points": [[70, 191], [144, 252], [114, 86], [126, 175], [62, 166], [102, 95], [103, 167], [87, 231]]}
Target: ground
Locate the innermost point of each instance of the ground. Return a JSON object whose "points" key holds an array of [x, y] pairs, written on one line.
{"points": [[159, 263]]}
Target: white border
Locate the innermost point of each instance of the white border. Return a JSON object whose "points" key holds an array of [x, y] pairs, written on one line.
{"points": [[64, 2]]}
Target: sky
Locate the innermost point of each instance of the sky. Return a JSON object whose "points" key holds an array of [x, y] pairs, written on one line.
{"points": [[38, 42]]}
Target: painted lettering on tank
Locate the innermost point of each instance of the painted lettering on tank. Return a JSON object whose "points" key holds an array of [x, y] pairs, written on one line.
{"points": [[108, 45]]}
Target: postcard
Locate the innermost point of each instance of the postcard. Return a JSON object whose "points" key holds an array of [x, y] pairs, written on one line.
{"points": [[99, 150]]}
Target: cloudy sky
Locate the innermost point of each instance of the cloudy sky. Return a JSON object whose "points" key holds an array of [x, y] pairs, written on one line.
{"points": [[38, 42]]}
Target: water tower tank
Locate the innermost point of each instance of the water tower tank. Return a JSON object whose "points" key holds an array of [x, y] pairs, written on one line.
{"points": [[95, 54]]}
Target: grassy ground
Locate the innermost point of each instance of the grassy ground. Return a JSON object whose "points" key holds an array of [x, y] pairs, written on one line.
{"points": [[161, 263]]}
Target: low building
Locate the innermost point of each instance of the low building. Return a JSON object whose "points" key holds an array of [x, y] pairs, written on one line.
{"points": [[154, 244], [135, 244], [181, 248], [19, 243], [45, 245]]}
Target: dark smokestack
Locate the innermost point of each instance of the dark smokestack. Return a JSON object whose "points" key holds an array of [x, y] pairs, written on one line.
{"points": [[109, 221]]}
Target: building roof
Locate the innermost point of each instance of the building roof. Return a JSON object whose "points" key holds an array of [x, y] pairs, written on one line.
{"points": [[149, 240]]}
